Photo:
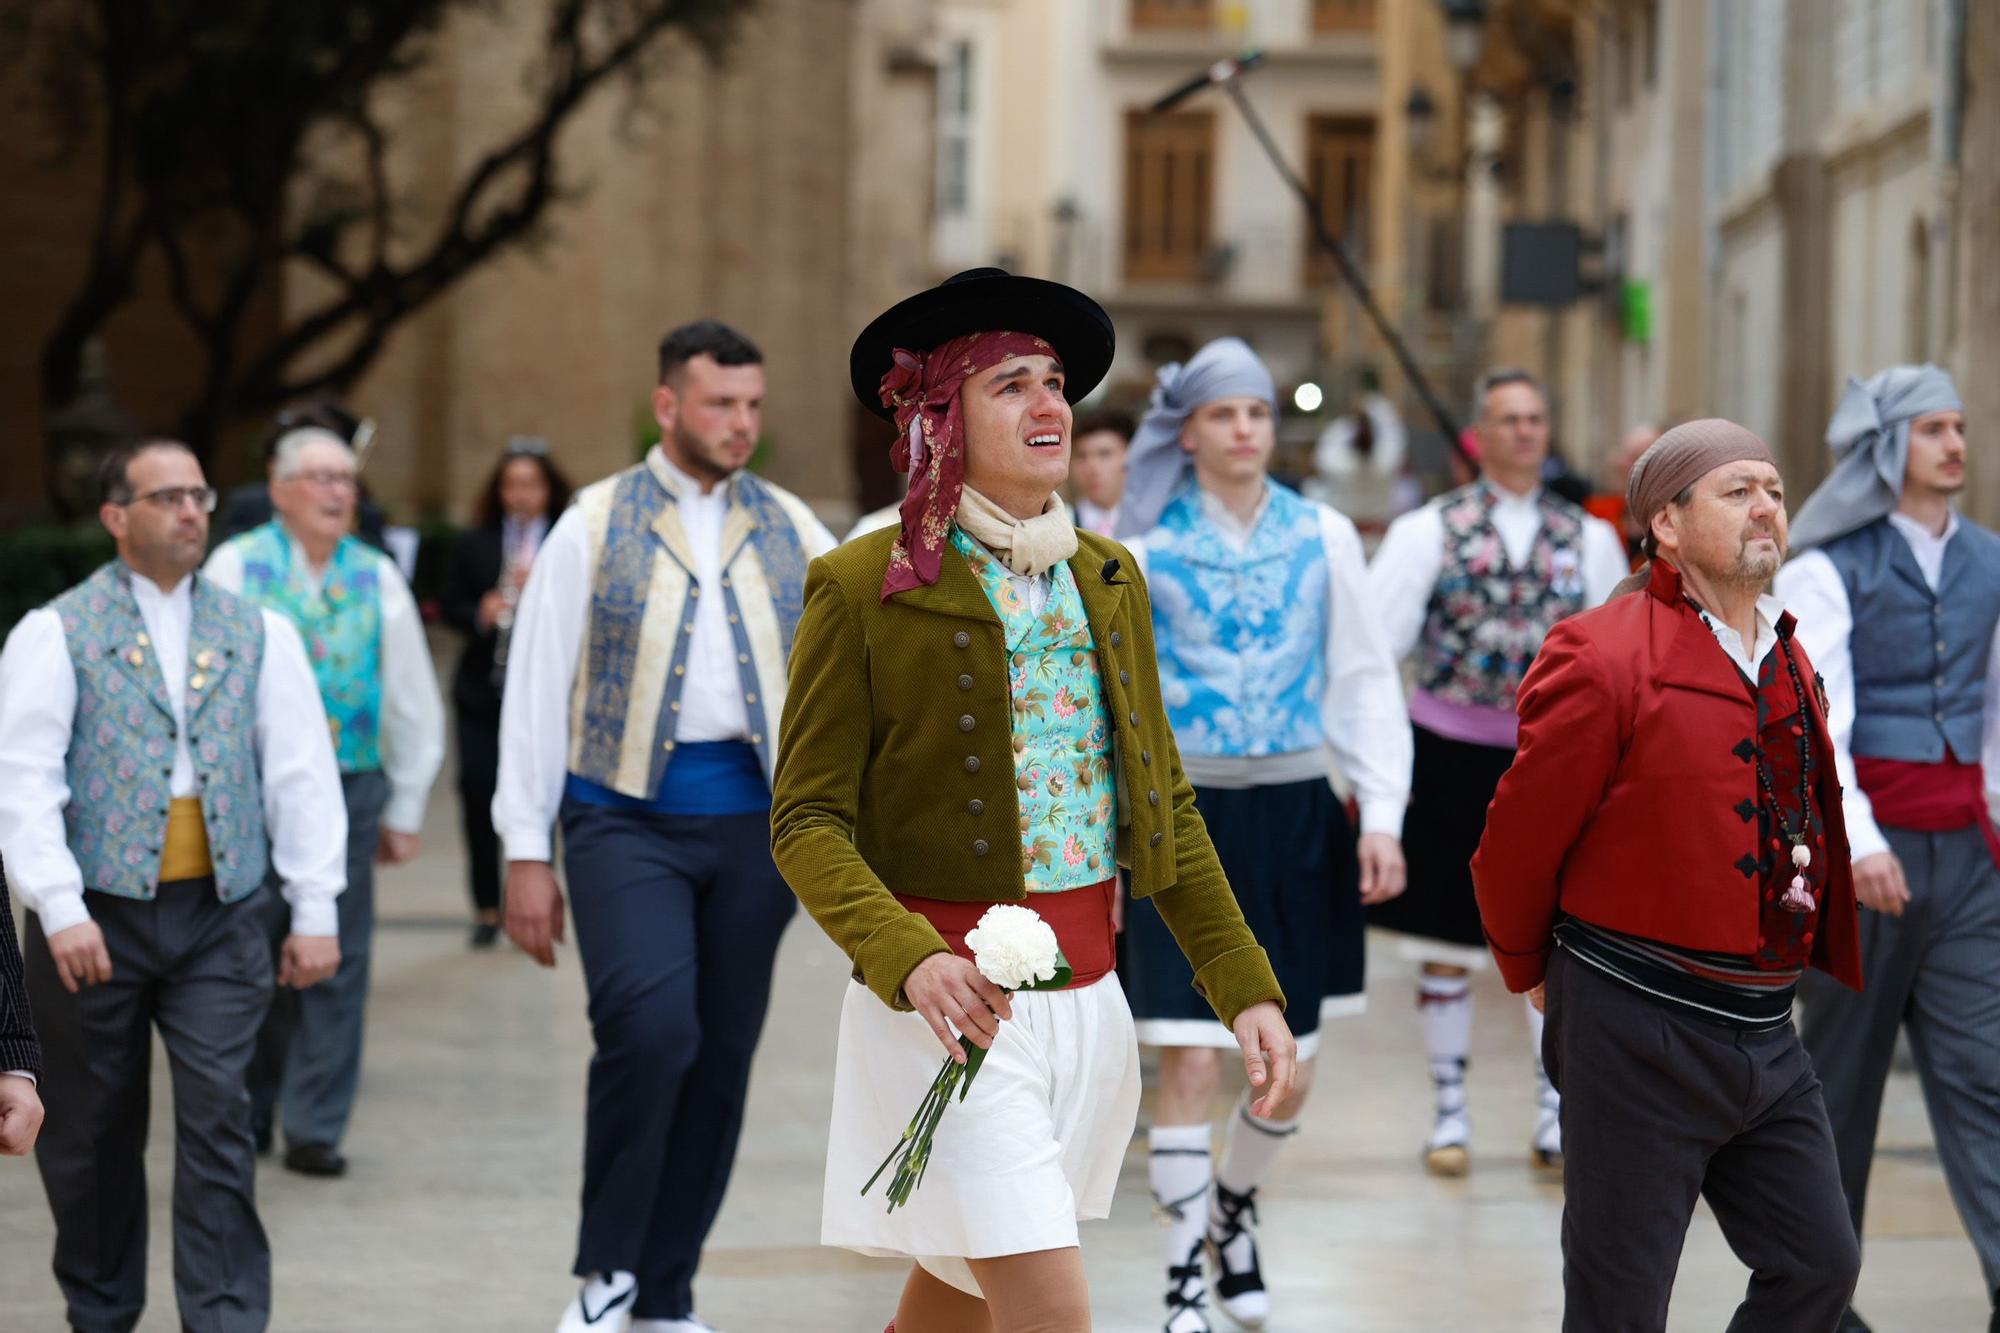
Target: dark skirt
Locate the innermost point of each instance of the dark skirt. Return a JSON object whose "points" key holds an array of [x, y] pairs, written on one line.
{"points": [[1450, 787], [1288, 851]]}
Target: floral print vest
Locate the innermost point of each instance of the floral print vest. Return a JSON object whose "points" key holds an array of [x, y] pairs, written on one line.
{"points": [[1487, 619], [341, 624], [1065, 791], [1241, 635]]}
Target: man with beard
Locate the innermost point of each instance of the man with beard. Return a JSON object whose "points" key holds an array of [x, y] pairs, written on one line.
{"points": [[1914, 706], [1667, 856], [645, 678]]}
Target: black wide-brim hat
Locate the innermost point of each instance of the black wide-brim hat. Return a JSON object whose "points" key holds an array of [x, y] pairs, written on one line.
{"points": [[986, 300]]}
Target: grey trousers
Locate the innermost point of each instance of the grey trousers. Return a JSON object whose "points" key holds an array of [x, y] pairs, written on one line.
{"points": [[199, 969], [1935, 970], [1659, 1107], [308, 1062]]}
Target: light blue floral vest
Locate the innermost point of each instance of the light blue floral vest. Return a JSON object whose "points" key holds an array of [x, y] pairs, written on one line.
{"points": [[121, 749], [341, 624], [1066, 794], [1241, 635]]}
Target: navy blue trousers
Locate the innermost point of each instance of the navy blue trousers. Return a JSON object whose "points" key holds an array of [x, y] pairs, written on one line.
{"points": [[677, 921]]}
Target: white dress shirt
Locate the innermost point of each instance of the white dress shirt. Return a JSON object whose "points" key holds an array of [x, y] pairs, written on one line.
{"points": [[1814, 592], [1406, 567], [412, 720], [303, 813], [1095, 518], [1749, 660], [1361, 705], [547, 643]]}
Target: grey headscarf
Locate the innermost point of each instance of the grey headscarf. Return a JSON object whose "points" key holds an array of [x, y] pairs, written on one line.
{"points": [[1157, 466], [1870, 438]]}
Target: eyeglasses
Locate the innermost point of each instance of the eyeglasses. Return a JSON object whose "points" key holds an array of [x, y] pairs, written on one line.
{"points": [[173, 497], [322, 477]]}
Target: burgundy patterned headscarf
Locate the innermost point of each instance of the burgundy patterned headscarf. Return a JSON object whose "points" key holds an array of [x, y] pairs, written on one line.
{"points": [[923, 389]]}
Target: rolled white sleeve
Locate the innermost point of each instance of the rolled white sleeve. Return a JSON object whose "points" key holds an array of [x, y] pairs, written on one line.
{"points": [[1403, 575], [1812, 590], [1605, 563], [542, 654], [1362, 709], [412, 708], [1989, 746], [304, 811], [37, 709]]}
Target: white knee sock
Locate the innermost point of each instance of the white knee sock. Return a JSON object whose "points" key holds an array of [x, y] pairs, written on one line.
{"points": [[1178, 1166], [1249, 1146], [1445, 1006], [1548, 1103]]}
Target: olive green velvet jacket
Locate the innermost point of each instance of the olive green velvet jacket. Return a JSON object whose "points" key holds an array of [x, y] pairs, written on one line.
{"points": [[895, 769]]}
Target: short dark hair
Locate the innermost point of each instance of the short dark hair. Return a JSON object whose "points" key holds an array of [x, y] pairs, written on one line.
{"points": [[114, 480], [490, 512], [706, 337], [1106, 418], [1494, 379]]}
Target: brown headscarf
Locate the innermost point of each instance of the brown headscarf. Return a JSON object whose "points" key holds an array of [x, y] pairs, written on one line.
{"points": [[1678, 459], [923, 389]]}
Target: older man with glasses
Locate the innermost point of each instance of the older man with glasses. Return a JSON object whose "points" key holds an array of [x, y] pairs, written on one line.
{"points": [[366, 642], [164, 745]]}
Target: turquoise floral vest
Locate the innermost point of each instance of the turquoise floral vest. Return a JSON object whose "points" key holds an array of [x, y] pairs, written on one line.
{"points": [[341, 624], [121, 748], [1062, 748], [1241, 635]]}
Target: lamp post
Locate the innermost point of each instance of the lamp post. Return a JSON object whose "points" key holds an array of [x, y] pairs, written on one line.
{"points": [[1464, 32]]}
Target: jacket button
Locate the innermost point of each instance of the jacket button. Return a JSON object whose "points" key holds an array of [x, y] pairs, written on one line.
{"points": [[1133, 718], [961, 640], [972, 763], [965, 682], [965, 723], [1145, 756], [1158, 838], [976, 807], [1116, 638], [1152, 798], [979, 847], [1124, 678]]}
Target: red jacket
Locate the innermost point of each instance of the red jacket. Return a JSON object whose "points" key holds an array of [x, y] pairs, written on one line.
{"points": [[1624, 806]]}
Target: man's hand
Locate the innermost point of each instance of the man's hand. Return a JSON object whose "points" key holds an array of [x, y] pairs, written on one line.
{"points": [[945, 988], [80, 956], [1879, 883], [1383, 874], [1539, 997], [393, 848], [20, 1115], [534, 910], [491, 604], [307, 960], [1270, 1055]]}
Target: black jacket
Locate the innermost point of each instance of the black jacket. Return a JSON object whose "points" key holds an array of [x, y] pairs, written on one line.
{"points": [[475, 571], [19, 1050]]}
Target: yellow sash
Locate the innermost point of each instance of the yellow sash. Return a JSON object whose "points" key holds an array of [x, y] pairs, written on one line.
{"points": [[186, 853]]}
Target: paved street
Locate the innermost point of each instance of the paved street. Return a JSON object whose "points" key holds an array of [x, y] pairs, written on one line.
{"points": [[460, 1210]]}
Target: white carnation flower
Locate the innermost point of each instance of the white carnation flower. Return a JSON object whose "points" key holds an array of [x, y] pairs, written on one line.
{"points": [[1013, 947]]}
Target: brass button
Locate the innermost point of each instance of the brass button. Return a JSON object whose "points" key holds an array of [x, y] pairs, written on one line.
{"points": [[674, 707], [732, 620], [972, 763], [669, 745], [695, 591], [1152, 798], [977, 807], [756, 739], [965, 723], [743, 657], [965, 682], [749, 698], [1124, 678], [961, 640], [1158, 838], [197, 681], [143, 640], [979, 846], [688, 628], [680, 671], [725, 583], [1145, 756], [1116, 638], [1134, 718]]}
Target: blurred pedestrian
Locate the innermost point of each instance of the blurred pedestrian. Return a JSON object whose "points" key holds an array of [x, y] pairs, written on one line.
{"points": [[1660, 865], [1608, 503], [249, 505], [369, 657], [489, 568], [1469, 584], [1097, 469], [1358, 462], [1273, 668], [20, 1051], [645, 679], [164, 745], [1915, 710]]}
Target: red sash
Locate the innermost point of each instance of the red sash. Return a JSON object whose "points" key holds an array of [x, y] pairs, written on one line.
{"points": [[1081, 919], [1928, 798]]}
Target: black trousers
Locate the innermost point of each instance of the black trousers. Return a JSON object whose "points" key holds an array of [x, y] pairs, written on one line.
{"points": [[677, 923], [199, 970], [1659, 1108], [478, 774]]}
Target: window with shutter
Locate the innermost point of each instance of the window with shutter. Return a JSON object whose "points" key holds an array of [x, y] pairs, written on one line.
{"points": [[1172, 15], [1340, 154], [1343, 15], [1169, 184]]}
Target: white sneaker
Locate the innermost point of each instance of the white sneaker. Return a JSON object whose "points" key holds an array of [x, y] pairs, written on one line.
{"points": [[1449, 1149], [603, 1306], [687, 1325]]}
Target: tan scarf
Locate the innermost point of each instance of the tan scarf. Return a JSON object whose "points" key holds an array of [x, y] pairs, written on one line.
{"points": [[1029, 547]]}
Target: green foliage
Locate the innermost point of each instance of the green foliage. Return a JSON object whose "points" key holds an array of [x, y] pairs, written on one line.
{"points": [[41, 561]]}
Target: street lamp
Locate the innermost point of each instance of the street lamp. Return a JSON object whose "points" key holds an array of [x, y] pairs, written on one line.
{"points": [[1464, 32], [1420, 114]]}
